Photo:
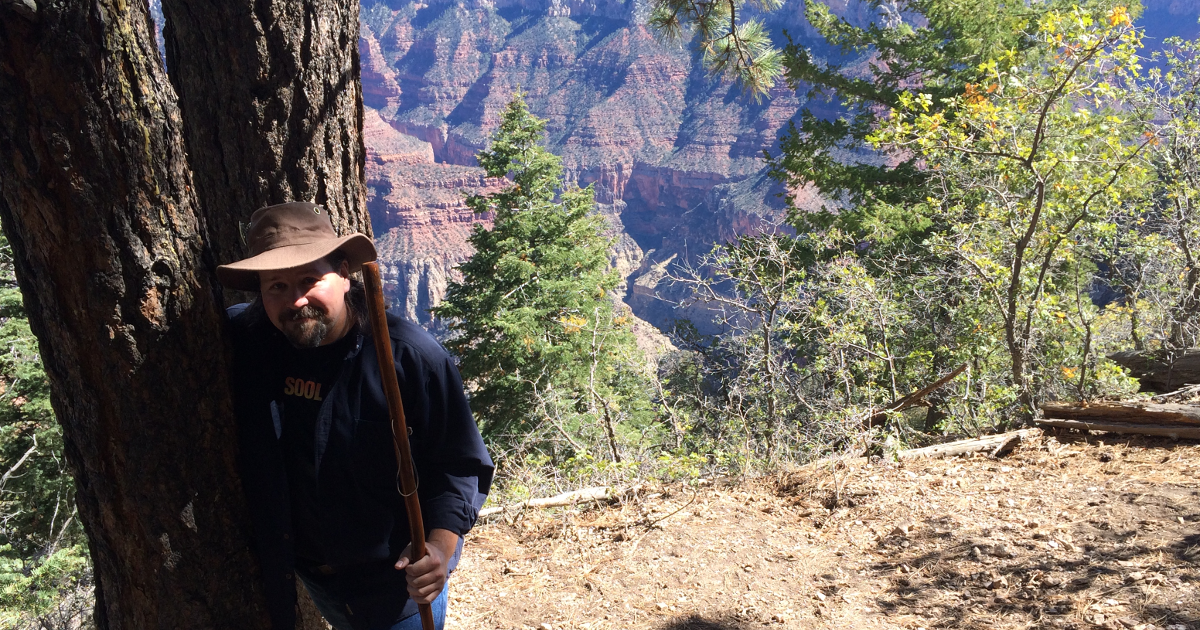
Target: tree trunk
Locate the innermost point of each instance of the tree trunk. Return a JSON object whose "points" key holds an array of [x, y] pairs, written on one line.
{"points": [[997, 444], [913, 399], [1173, 431], [307, 615], [97, 201], [1156, 374], [272, 109], [1134, 412]]}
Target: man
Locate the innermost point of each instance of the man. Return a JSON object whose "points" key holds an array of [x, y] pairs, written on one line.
{"points": [[317, 460]]}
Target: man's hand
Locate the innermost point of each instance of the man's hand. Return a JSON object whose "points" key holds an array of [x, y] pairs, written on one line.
{"points": [[427, 576]]}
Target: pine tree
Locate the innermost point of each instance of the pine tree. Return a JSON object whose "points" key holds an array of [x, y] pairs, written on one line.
{"points": [[542, 345]]}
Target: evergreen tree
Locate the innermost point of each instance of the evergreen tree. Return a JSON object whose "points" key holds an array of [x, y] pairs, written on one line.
{"points": [[541, 342]]}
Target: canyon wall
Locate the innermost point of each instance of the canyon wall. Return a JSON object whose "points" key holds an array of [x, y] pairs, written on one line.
{"points": [[675, 154], [659, 138]]}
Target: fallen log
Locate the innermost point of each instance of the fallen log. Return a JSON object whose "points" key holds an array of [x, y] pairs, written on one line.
{"points": [[575, 497], [1174, 431], [1125, 412], [998, 445], [914, 399], [1184, 393], [1157, 375]]}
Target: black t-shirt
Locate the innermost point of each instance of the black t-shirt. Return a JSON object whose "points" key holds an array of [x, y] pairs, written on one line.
{"points": [[308, 374]]}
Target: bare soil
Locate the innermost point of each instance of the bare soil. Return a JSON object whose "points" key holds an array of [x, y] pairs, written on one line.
{"points": [[1066, 532]]}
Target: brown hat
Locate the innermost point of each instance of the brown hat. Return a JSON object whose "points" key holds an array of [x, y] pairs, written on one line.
{"points": [[291, 235]]}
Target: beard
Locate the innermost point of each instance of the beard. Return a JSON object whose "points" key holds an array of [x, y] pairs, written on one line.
{"points": [[306, 327]]}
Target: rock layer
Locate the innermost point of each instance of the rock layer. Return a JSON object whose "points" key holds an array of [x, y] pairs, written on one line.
{"points": [[639, 120], [674, 154], [419, 216]]}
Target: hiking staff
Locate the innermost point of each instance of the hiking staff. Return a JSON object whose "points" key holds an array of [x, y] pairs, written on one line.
{"points": [[391, 389]]}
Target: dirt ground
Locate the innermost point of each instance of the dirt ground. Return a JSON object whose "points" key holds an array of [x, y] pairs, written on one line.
{"points": [[1066, 532]]}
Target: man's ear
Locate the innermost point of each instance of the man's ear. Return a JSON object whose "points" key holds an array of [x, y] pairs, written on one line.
{"points": [[344, 272]]}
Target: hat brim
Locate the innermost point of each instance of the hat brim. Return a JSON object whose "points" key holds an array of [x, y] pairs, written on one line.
{"points": [[243, 274]]}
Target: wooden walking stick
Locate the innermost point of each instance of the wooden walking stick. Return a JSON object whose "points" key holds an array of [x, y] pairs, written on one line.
{"points": [[391, 389]]}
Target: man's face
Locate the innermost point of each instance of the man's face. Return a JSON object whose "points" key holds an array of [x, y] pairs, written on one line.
{"points": [[308, 304]]}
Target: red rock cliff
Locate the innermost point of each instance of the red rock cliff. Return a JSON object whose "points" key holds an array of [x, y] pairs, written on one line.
{"points": [[638, 119]]}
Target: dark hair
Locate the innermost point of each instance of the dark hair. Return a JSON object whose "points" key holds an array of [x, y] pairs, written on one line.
{"points": [[356, 298]]}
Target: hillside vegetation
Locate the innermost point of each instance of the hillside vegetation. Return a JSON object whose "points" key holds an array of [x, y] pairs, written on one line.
{"points": [[996, 198]]}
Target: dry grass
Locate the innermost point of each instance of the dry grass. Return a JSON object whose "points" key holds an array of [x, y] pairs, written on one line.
{"points": [[1064, 533]]}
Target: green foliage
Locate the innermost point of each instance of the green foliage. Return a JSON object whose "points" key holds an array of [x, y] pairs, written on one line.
{"points": [[809, 353], [1154, 261], [55, 592], [737, 47], [899, 212], [938, 45], [879, 197], [1033, 167], [1057, 172], [42, 558], [552, 366]]}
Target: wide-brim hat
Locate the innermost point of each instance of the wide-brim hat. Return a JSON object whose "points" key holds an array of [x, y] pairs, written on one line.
{"points": [[291, 235]]}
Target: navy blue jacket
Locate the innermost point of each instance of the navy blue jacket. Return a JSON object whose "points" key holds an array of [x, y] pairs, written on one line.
{"points": [[362, 514]]}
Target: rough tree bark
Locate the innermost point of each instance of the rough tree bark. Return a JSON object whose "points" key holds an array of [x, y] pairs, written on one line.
{"points": [[1128, 412], [115, 239], [97, 201], [1158, 375], [272, 111], [272, 108]]}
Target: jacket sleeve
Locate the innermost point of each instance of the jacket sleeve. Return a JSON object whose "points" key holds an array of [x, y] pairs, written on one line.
{"points": [[454, 470]]}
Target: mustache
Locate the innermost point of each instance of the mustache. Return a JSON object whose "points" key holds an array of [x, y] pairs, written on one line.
{"points": [[305, 312]]}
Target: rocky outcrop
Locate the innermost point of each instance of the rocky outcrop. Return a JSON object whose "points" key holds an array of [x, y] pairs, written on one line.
{"points": [[419, 215], [639, 120], [386, 146], [380, 88]]}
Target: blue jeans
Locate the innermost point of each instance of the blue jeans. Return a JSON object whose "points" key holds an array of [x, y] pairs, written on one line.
{"points": [[413, 622], [333, 608]]}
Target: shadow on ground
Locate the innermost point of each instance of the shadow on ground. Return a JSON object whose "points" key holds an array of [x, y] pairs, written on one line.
{"points": [[1127, 556], [697, 622]]}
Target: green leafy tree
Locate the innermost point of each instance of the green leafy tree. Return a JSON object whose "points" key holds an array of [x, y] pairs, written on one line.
{"points": [[1035, 166], [1158, 263], [875, 203], [942, 55], [938, 45], [938, 48], [1026, 176], [547, 355], [43, 562]]}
